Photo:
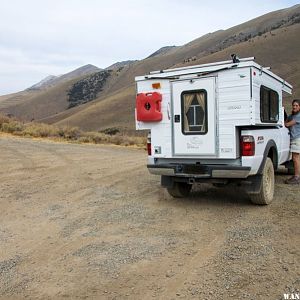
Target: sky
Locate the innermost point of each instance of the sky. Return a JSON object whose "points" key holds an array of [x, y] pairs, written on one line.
{"points": [[52, 37]]}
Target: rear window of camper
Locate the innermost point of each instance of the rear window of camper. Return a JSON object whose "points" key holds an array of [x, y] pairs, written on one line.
{"points": [[269, 105], [194, 112]]}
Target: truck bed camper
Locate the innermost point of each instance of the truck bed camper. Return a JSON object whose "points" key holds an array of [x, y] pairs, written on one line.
{"points": [[220, 122]]}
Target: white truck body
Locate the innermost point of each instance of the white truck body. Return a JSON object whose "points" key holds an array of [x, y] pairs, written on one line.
{"points": [[205, 111]]}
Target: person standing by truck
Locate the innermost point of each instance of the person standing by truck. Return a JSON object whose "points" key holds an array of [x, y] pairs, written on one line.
{"points": [[293, 123]]}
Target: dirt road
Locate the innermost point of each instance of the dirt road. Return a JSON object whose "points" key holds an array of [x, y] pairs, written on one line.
{"points": [[87, 221]]}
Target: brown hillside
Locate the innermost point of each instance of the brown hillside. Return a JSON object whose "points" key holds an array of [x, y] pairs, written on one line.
{"points": [[210, 43], [46, 100], [38, 104], [271, 49], [116, 110]]}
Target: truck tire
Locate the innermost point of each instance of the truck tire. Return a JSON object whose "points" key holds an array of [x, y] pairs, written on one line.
{"points": [[179, 189], [266, 193]]}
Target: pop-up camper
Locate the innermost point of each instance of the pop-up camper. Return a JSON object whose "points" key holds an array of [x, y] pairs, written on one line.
{"points": [[221, 122]]}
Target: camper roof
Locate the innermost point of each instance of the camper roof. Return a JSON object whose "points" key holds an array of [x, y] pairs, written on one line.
{"points": [[205, 69]]}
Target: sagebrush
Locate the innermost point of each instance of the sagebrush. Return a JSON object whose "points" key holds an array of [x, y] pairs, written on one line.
{"points": [[41, 130]]}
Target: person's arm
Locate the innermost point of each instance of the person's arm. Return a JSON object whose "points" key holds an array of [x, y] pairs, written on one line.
{"points": [[290, 123]]}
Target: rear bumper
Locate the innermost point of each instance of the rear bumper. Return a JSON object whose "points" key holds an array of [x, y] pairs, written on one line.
{"points": [[199, 171]]}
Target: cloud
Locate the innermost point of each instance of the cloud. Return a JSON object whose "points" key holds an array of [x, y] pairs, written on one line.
{"points": [[42, 37]]}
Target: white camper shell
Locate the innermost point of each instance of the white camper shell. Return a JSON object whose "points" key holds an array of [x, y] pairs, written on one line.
{"points": [[203, 119]]}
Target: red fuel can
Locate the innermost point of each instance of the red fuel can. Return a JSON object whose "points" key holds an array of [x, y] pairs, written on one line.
{"points": [[148, 107]]}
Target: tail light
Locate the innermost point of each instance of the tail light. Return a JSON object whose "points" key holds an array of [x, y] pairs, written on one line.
{"points": [[247, 145], [149, 144]]}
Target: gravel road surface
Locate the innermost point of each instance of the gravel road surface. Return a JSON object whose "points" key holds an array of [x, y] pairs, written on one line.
{"points": [[89, 222]]}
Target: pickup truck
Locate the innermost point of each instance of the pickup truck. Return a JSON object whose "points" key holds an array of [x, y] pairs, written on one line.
{"points": [[221, 123]]}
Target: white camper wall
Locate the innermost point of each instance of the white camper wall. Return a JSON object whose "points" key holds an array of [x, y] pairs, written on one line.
{"points": [[234, 108], [160, 131], [260, 78], [237, 103]]}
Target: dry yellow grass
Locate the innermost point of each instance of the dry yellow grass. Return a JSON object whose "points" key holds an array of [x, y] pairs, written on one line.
{"points": [[40, 130]]}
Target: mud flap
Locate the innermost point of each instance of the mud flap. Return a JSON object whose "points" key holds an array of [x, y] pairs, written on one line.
{"points": [[167, 181], [253, 184], [289, 164]]}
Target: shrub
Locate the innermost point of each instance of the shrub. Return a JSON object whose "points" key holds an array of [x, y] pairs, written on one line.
{"points": [[97, 137], [40, 130], [85, 139], [4, 120], [111, 136], [12, 127], [111, 131], [69, 133], [117, 140]]}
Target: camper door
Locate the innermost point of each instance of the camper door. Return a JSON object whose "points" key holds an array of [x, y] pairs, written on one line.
{"points": [[194, 117]]}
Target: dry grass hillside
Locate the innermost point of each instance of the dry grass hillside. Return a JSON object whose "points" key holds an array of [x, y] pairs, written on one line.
{"points": [[40, 101], [273, 39], [38, 104], [269, 50], [115, 110], [212, 43]]}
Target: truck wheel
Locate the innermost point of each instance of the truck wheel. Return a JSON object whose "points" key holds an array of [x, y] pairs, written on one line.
{"points": [[180, 189], [266, 193]]}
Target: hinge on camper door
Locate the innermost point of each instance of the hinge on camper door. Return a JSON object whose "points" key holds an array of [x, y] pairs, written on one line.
{"points": [[217, 109], [217, 143]]}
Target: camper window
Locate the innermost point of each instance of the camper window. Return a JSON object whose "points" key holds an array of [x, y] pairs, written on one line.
{"points": [[269, 105], [194, 112]]}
